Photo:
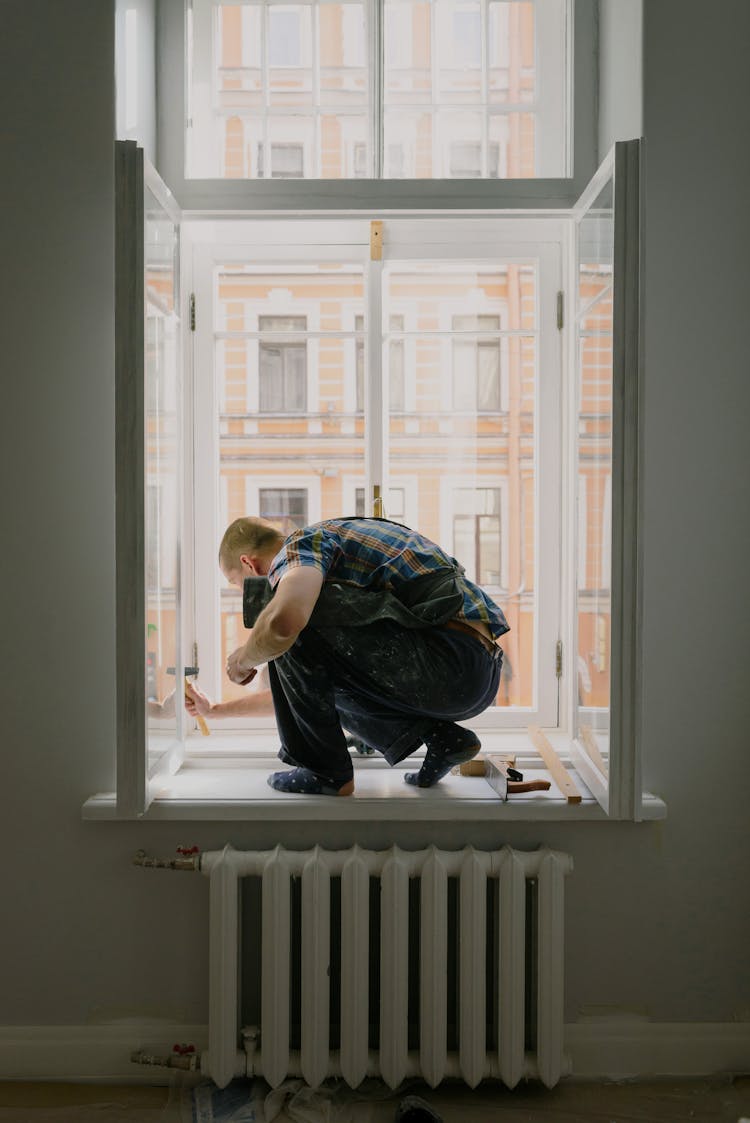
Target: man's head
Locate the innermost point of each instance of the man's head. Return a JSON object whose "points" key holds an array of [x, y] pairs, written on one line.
{"points": [[247, 549]]}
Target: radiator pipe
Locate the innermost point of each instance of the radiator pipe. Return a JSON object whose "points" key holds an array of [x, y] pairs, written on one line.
{"points": [[187, 1061]]}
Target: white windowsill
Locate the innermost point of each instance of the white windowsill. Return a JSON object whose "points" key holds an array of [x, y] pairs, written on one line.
{"points": [[229, 783]]}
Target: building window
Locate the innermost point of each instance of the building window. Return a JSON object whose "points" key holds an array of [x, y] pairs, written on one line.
{"points": [[465, 160], [395, 504], [477, 534], [476, 364], [284, 46], [282, 367], [396, 367], [287, 507], [359, 325], [287, 161]]}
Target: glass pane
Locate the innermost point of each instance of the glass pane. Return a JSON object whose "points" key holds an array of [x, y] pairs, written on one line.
{"points": [[594, 466], [490, 73], [162, 497], [470, 454], [291, 433], [485, 59]]}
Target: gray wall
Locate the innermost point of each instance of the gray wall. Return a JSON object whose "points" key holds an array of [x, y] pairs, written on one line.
{"points": [[657, 916], [620, 72]]}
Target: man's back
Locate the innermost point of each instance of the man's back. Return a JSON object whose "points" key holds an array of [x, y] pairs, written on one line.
{"points": [[379, 554]]}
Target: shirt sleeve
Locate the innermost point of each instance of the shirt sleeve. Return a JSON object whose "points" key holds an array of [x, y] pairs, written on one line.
{"points": [[310, 547]]}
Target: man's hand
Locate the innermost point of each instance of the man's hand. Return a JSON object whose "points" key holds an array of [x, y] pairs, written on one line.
{"points": [[196, 702], [239, 670]]}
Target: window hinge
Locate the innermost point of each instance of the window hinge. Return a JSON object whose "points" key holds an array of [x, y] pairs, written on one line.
{"points": [[560, 307], [558, 658], [192, 311], [376, 241]]}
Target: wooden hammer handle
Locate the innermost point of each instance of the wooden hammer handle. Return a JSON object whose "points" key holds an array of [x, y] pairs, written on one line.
{"points": [[528, 786], [200, 720]]}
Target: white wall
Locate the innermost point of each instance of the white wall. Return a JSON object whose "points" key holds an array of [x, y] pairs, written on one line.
{"points": [[620, 72], [657, 917]]}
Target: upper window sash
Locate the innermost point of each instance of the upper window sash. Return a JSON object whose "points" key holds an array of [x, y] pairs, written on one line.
{"points": [[432, 88], [370, 155]]}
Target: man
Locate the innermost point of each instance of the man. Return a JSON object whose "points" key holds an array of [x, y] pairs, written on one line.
{"points": [[368, 624]]}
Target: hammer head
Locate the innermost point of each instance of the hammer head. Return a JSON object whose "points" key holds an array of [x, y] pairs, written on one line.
{"points": [[506, 780]]}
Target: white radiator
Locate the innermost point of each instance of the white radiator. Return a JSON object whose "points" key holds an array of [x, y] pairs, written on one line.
{"points": [[488, 1001]]}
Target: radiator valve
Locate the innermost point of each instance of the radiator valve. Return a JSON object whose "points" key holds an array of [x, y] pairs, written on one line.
{"points": [[187, 1061], [188, 860]]}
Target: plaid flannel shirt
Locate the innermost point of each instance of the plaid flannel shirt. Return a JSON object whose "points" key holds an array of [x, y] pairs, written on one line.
{"points": [[378, 554]]}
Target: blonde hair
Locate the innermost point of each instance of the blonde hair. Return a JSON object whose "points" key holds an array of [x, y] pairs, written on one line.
{"points": [[248, 536]]}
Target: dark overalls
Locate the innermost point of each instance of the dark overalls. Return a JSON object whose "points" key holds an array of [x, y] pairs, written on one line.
{"points": [[382, 665]]}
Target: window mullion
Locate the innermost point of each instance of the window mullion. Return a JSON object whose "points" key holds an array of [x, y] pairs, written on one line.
{"points": [[317, 126], [375, 411], [377, 65], [485, 81], [266, 87], [434, 93]]}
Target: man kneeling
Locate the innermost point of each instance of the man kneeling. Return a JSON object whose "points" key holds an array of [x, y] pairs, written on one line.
{"points": [[368, 625]]}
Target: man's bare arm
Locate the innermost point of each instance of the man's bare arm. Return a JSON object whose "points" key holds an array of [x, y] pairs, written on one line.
{"points": [[255, 702], [280, 622]]}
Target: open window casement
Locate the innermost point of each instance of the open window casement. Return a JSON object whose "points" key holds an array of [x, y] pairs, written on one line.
{"points": [[605, 483], [149, 475]]}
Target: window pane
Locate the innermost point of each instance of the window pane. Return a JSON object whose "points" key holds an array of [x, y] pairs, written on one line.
{"points": [[461, 92], [471, 88], [291, 442], [472, 463], [594, 463], [162, 498]]}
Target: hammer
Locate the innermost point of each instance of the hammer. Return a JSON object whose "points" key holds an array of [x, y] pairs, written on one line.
{"points": [[201, 721], [506, 780]]}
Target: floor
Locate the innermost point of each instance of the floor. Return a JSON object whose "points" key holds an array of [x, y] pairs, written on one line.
{"points": [[667, 1101]]}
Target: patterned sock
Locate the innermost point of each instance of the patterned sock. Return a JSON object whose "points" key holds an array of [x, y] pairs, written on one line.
{"points": [[301, 781], [447, 744]]}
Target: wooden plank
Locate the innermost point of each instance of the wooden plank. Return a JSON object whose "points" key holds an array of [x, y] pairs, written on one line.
{"points": [[588, 740], [554, 765]]}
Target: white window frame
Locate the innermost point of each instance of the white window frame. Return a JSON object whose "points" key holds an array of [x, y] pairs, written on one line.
{"points": [[622, 798], [461, 239]]}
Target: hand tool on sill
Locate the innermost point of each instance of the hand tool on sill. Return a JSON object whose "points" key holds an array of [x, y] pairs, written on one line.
{"points": [[506, 780], [477, 766], [191, 672]]}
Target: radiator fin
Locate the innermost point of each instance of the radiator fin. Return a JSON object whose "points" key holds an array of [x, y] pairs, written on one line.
{"points": [[355, 991], [394, 969]]}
